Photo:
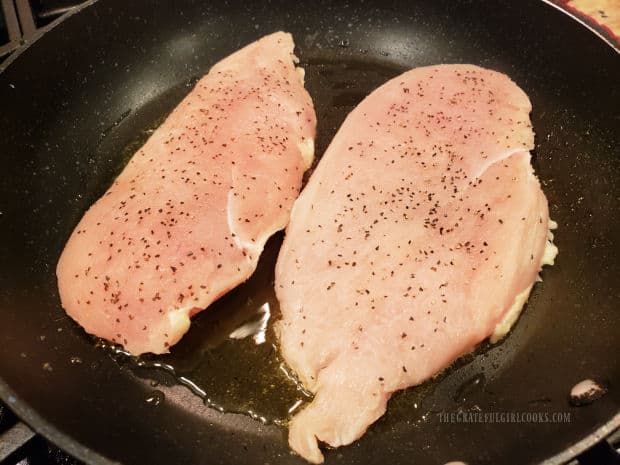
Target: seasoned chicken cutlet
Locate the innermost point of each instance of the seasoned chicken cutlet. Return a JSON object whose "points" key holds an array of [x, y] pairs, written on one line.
{"points": [[420, 234], [187, 219]]}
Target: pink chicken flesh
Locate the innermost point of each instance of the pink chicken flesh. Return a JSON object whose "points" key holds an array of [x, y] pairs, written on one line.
{"points": [[188, 217], [419, 235]]}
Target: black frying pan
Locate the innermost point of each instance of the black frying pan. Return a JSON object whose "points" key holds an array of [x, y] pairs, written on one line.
{"points": [[81, 98]]}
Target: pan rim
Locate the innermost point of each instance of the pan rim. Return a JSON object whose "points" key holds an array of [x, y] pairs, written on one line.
{"points": [[613, 44], [41, 426], [41, 31]]}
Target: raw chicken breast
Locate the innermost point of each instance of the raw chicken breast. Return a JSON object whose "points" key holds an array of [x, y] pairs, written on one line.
{"points": [[419, 235], [188, 217]]}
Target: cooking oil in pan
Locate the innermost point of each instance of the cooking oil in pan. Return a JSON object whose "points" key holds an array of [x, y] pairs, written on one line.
{"points": [[155, 398], [229, 357]]}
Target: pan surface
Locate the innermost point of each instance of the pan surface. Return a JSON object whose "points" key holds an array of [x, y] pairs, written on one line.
{"points": [[78, 102]]}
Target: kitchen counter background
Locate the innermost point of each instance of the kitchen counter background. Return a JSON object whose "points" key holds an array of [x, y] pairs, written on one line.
{"points": [[602, 15]]}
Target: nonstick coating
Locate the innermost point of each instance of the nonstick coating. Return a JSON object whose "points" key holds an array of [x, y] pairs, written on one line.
{"points": [[73, 100]]}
